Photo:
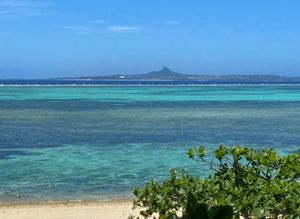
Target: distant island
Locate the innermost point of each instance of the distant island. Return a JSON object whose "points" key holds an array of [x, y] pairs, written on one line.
{"points": [[168, 75]]}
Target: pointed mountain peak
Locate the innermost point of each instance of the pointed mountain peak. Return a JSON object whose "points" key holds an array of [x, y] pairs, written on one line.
{"points": [[165, 69], [164, 74]]}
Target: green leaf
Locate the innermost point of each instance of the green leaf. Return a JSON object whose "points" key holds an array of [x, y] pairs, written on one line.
{"points": [[201, 151], [221, 152], [191, 153]]}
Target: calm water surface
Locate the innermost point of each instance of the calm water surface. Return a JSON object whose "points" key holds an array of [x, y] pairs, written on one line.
{"points": [[99, 142]]}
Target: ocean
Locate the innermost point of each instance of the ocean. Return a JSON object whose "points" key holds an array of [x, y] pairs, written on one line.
{"points": [[99, 141]]}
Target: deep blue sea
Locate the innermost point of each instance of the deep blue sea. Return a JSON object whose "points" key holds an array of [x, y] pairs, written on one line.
{"points": [[98, 142]]}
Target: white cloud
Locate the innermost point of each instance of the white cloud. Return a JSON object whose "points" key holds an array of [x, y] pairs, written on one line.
{"points": [[21, 8], [123, 29], [23, 3], [79, 29], [89, 28]]}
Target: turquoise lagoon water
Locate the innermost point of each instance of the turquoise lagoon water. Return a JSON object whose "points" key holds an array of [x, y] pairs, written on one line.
{"points": [[60, 143]]}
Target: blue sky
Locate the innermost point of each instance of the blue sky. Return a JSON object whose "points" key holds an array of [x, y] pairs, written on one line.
{"points": [[50, 38]]}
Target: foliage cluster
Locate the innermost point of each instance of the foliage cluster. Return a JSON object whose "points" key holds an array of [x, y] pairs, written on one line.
{"points": [[256, 184]]}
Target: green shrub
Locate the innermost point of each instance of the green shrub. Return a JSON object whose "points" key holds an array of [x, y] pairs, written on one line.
{"points": [[256, 184]]}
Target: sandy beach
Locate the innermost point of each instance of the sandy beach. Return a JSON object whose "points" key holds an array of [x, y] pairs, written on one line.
{"points": [[68, 210]]}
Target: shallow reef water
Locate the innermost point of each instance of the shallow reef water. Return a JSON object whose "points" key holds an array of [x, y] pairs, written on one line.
{"points": [[86, 142]]}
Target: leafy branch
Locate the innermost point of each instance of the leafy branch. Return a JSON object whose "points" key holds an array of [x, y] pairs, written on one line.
{"points": [[256, 184]]}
